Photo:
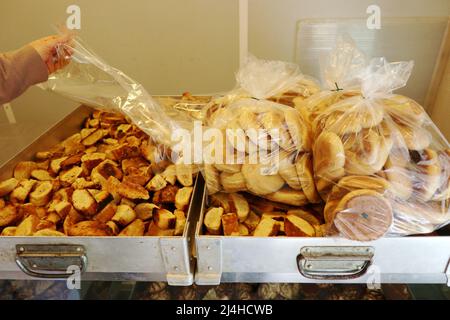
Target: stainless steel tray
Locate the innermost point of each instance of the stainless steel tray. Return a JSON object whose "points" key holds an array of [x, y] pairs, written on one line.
{"points": [[98, 258], [418, 259]]}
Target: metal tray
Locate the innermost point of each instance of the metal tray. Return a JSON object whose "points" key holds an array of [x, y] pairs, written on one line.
{"points": [[97, 258], [416, 259]]}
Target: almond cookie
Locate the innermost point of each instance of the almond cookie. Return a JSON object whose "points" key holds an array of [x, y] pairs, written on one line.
{"points": [[365, 145], [417, 217], [303, 89], [363, 215]]}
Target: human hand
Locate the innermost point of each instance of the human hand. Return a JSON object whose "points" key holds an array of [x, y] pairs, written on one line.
{"points": [[54, 51]]}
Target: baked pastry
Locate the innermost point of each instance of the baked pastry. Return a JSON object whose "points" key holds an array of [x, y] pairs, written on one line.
{"points": [[304, 88], [299, 130], [400, 179], [304, 170], [443, 192], [233, 182], [273, 123], [363, 215], [287, 170], [212, 178], [415, 138], [426, 172], [288, 196], [404, 110], [298, 227], [259, 183], [329, 154]]}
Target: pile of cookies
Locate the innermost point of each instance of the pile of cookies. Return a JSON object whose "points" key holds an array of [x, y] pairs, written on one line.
{"points": [[240, 214], [108, 179]]}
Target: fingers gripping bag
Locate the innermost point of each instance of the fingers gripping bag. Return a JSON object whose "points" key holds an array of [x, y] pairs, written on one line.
{"points": [[258, 145], [88, 79], [379, 162]]}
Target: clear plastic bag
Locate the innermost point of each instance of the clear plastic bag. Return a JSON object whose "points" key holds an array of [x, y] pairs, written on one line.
{"points": [[380, 164], [261, 146]]}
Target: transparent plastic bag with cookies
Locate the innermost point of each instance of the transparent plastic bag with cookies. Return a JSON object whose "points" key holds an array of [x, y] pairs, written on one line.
{"points": [[105, 180], [258, 145], [380, 163]]}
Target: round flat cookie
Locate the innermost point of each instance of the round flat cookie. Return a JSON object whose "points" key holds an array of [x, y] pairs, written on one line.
{"points": [[233, 182], [443, 192], [363, 215]]}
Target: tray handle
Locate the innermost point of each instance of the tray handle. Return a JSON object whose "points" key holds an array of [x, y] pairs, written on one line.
{"points": [[334, 263], [51, 261]]}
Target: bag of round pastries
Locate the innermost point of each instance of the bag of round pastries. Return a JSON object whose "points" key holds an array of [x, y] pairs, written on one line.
{"points": [[380, 163], [257, 145]]}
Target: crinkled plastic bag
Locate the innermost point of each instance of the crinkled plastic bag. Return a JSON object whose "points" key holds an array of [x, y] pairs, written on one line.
{"points": [[91, 81], [380, 164], [257, 145]]}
